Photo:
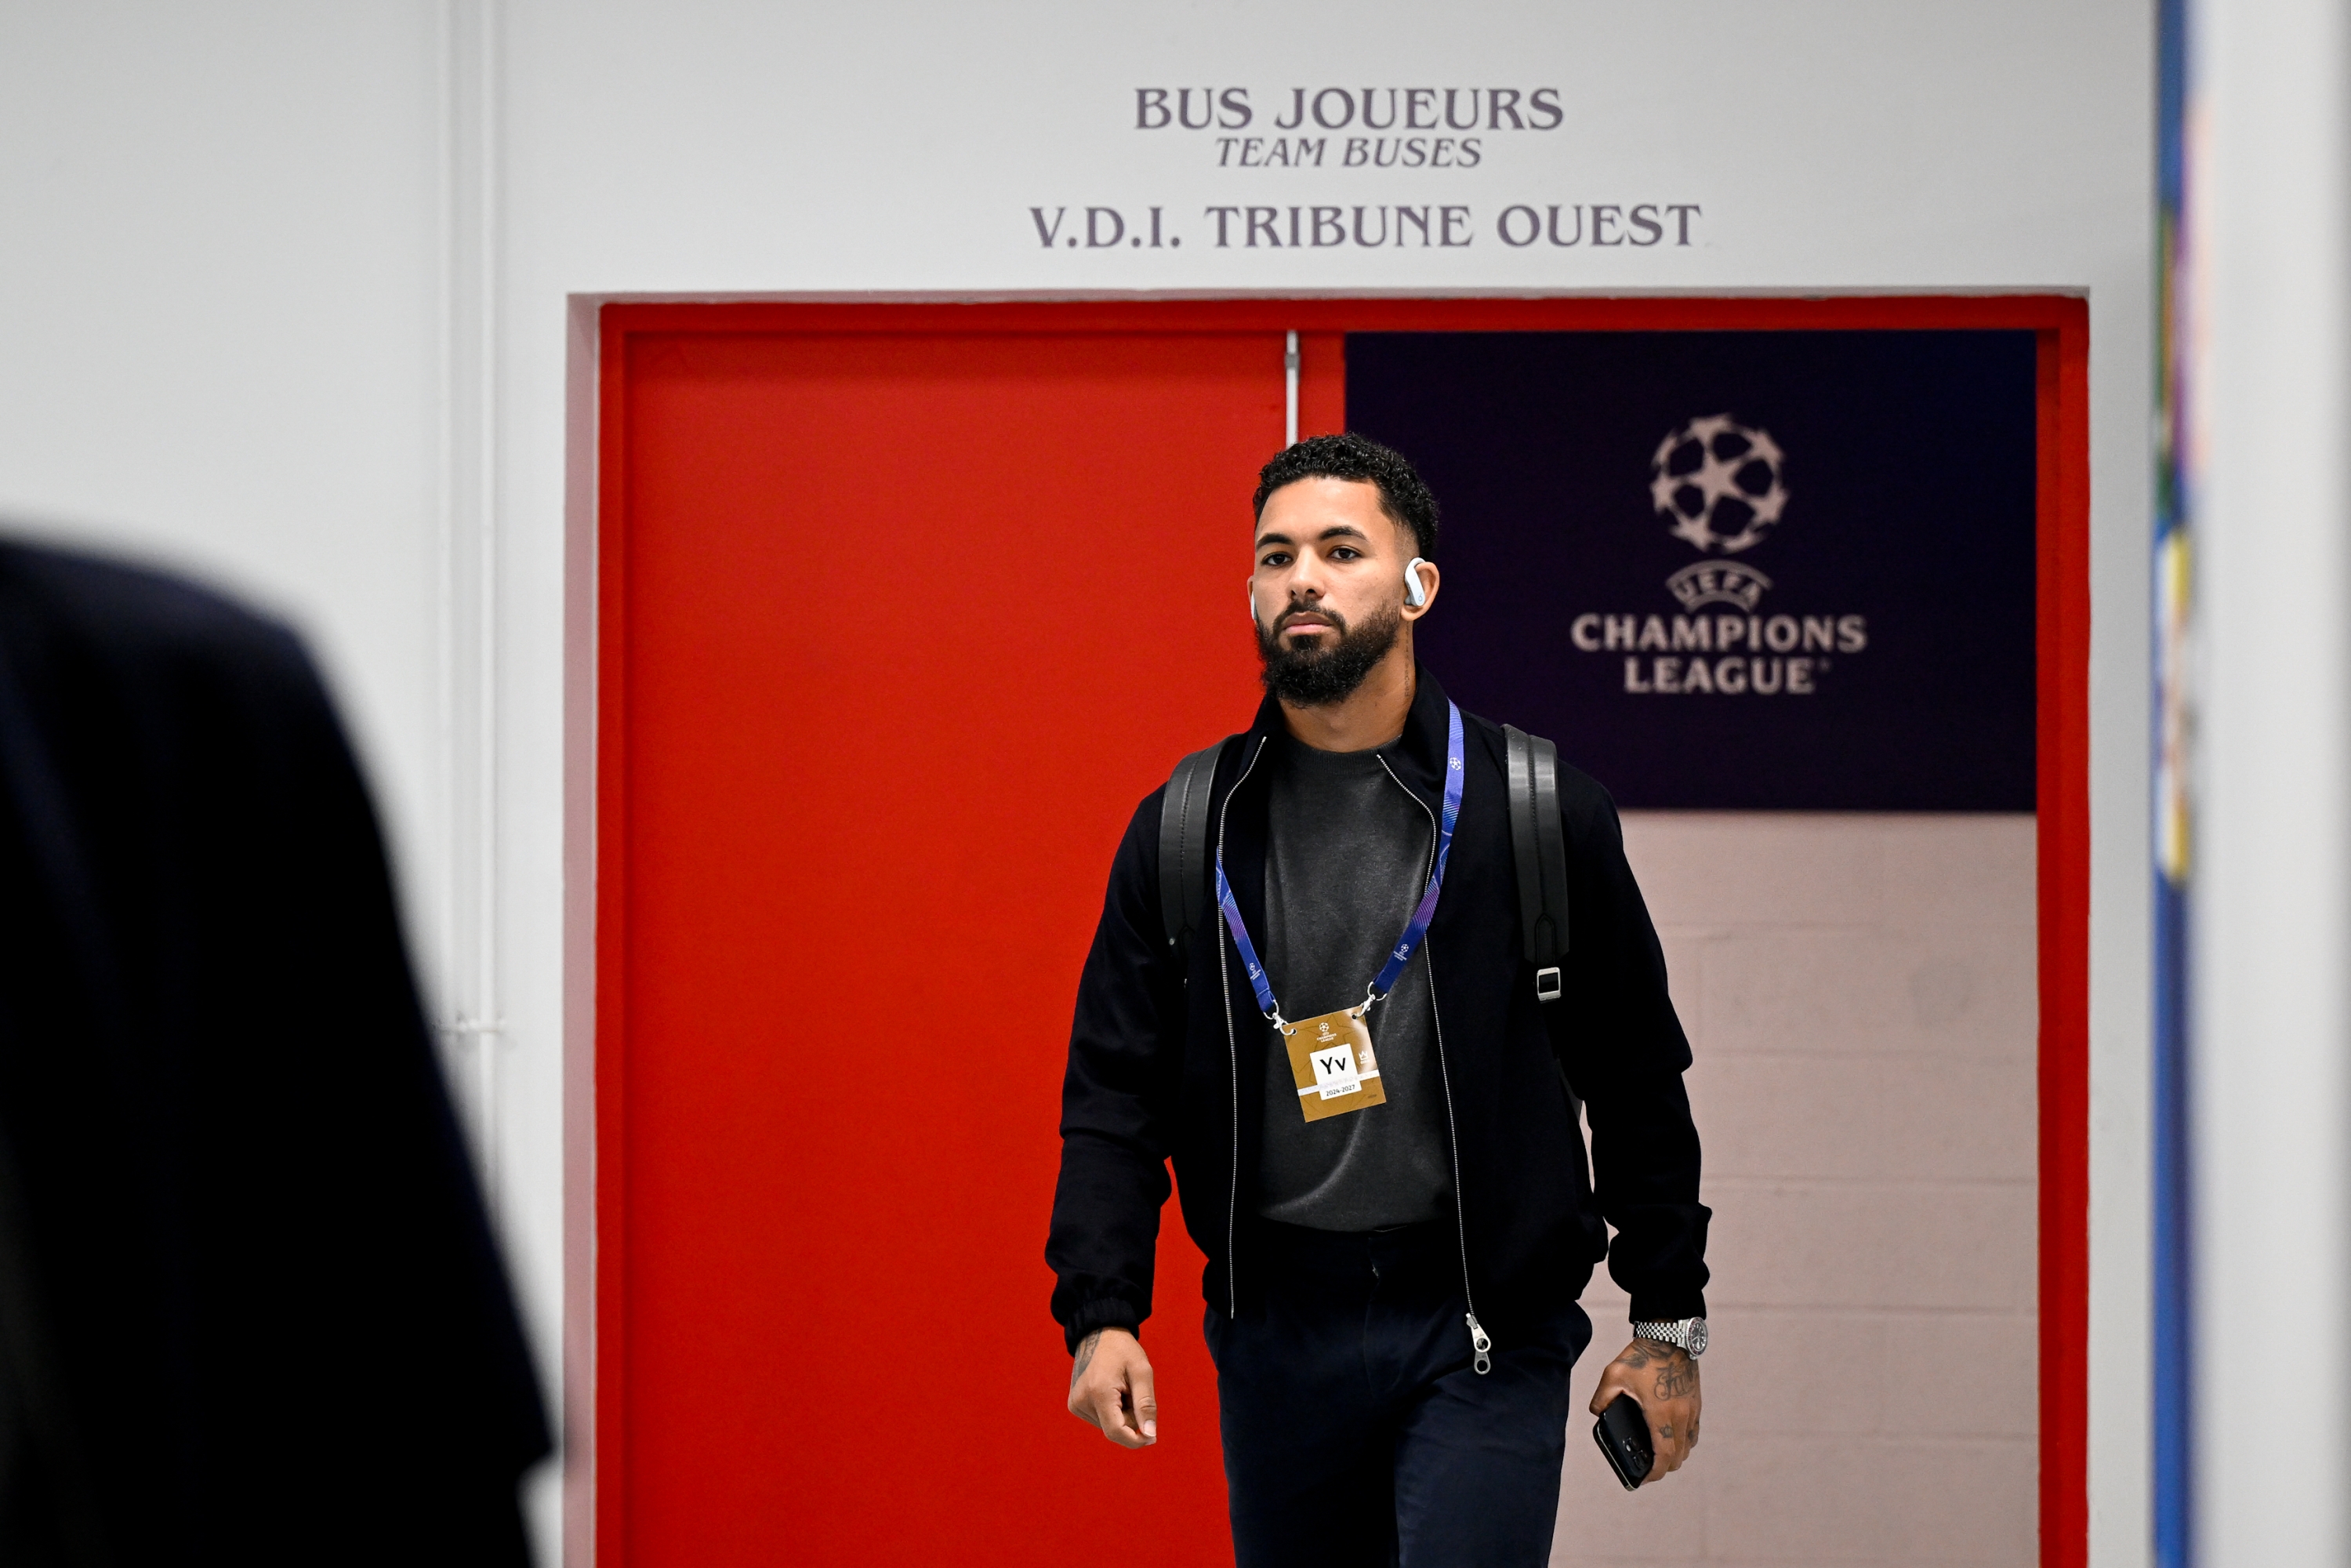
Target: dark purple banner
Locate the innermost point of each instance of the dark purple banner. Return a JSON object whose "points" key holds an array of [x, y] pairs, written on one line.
{"points": [[1752, 571]]}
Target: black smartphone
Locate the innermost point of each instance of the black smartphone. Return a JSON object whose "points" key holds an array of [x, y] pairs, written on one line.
{"points": [[1623, 1433]]}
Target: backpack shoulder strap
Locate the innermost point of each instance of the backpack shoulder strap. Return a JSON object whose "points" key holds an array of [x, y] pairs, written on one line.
{"points": [[1184, 845], [1539, 849]]}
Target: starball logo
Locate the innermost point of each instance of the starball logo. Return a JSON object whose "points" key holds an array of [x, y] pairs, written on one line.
{"points": [[1715, 470], [1721, 488]]}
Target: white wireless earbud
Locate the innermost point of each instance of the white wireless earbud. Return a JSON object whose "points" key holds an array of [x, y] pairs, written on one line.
{"points": [[1252, 594], [1415, 593]]}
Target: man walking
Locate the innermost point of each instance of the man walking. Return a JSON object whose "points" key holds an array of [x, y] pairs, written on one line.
{"points": [[1369, 1097]]}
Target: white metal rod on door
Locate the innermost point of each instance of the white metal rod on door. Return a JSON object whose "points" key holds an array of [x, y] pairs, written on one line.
{"points": [[1290, 382]]}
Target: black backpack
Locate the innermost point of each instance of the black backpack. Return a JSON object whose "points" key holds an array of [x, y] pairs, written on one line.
{"points": [[1538, 846]]}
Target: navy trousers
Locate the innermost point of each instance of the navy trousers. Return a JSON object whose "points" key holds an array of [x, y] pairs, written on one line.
{"points": [[1358, 1434]]}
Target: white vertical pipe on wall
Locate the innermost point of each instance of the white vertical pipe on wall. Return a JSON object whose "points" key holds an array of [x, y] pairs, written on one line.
{"points": [[468, 565], [2268, 173]]}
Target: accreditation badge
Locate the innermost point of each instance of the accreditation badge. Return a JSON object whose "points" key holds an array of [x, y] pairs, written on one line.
{"points": [[1330, 1062]]}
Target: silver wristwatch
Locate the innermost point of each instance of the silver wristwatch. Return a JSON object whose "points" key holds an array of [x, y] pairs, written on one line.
{"points": [[1689, 1333]]}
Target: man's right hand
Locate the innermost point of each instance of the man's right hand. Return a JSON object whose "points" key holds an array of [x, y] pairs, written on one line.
{"points": [[1110, 1386]]}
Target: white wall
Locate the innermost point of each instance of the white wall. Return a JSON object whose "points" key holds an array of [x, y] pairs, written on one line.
{"points": [[278, 285], [220, 324]]}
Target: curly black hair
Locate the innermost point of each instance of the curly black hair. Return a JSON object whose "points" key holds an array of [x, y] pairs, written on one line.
{"points": [[1403, 497]]}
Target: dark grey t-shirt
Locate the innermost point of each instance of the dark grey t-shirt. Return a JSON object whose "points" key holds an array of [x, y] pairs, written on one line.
{"points": [[1348, 855]]}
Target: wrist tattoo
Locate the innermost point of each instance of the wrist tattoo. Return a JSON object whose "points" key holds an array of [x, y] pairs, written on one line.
{"points": [[1085, 1354], [1677, 1373]]}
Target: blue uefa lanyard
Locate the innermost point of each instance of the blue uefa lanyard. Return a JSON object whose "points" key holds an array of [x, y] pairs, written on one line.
{"points": [[1414, 929]]}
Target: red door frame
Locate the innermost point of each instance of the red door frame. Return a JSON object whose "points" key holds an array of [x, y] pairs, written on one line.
{"points": [[2062, 326]]}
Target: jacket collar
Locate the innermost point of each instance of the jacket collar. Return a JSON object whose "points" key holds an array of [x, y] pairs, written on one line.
{"points": [[1419, 761]]}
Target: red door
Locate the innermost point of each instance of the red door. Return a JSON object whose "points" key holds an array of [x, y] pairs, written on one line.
{"points": [[901, 626]]}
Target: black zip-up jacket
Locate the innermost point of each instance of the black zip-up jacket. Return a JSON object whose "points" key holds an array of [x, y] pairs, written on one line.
{"points": [[1167, 1064]]}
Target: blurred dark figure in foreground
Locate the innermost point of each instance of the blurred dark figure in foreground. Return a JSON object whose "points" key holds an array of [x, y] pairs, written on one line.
{"points": [[249, 1308]]}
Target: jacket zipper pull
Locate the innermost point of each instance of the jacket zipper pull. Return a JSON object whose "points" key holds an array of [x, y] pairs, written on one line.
{"points": [[1480, 1344]]}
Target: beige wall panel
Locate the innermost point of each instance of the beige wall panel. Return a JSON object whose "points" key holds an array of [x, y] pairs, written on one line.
{"points": [[1859, 992]]}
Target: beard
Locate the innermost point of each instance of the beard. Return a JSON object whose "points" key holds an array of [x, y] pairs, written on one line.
{"points": [[1329, 668]]}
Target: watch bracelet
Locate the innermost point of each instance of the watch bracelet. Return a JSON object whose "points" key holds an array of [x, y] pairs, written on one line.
{"points": [[1675, 1333]]}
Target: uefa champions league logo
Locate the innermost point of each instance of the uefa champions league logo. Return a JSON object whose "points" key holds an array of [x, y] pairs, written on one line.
{"points": [[1721, 486]]}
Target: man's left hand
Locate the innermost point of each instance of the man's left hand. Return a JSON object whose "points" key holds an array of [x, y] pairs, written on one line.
{"points": [[1664, 1379]]}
